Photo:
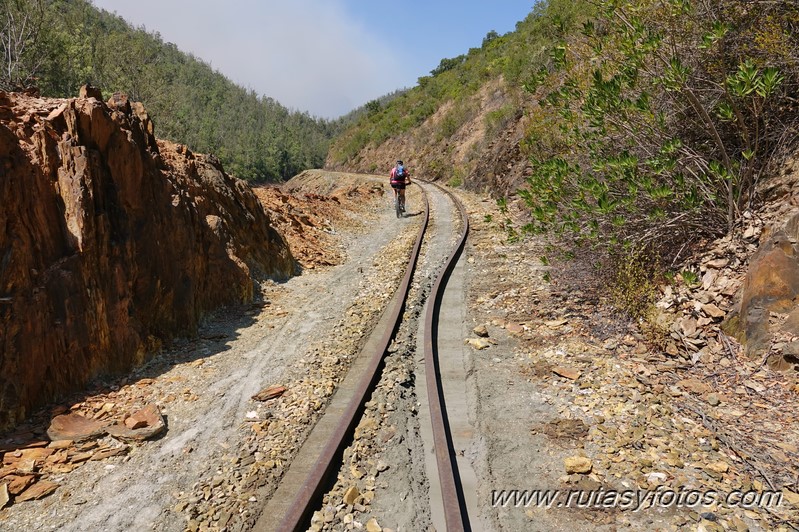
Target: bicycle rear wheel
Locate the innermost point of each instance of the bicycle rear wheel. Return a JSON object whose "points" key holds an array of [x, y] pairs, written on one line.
{"points": [[397, 205]]}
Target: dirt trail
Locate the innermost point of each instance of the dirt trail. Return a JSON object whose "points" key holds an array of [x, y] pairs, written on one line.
{"points": [[204, 389]]}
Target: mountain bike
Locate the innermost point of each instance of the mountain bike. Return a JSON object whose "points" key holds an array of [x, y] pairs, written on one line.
{"points": [[399, 201]]}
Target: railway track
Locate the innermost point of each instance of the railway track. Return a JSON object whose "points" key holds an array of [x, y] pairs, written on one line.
{"points": [[314, 467]]}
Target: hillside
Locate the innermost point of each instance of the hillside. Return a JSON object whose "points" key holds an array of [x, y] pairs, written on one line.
{"points": [[630, 136], [621, 325], [59, 45], [635, 125], [466, 122]]}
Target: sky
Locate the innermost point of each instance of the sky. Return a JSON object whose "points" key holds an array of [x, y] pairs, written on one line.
{"points": [[326, 57]]}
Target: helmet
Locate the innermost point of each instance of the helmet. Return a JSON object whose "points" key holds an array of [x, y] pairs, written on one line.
{"points": [[399, 162]]}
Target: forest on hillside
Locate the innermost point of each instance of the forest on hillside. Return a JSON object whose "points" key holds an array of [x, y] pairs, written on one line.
{"points": [[649, 124], [59, 45], [513, 58]]}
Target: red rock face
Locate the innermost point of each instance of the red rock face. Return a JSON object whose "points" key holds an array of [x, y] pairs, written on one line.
{"points": [[771, 286], [111, 242]]}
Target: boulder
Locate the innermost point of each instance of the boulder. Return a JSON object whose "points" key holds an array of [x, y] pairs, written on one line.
{"points": [[75, 427], [143, 425], [771, 285], [90, 91]]}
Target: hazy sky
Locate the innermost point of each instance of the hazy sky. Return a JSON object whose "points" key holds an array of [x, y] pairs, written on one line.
{"points": [[326, 57]]}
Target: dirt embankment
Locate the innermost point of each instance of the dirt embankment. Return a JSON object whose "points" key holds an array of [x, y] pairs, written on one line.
{"points": [[313, 207], [111, 242], [579, 395], [483, 152]]}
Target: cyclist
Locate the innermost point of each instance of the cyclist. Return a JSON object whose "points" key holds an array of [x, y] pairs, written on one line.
{"points": [[399, 178]]}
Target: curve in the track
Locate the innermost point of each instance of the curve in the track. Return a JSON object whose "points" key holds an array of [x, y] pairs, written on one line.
{"points": [[310, 492], [312, 489], [454, 502]]}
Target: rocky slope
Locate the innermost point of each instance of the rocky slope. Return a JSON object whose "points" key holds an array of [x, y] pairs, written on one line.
{"points": [[113, 432], [589, 387], [312, 208], [484, 152], [111, 243]]}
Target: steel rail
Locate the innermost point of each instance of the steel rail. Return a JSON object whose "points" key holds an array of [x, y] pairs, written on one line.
{"points": [[455, 512], [317, 481]]}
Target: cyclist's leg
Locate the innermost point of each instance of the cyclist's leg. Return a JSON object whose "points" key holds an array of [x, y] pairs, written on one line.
{"points": [[396, 201], [402, 199]]}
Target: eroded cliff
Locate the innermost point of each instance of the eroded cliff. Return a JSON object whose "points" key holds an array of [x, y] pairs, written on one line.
{"points": [[110, 243]]}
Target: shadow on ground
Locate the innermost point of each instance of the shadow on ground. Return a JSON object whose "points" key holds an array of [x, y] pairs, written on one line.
{"points": [[215, 334]]}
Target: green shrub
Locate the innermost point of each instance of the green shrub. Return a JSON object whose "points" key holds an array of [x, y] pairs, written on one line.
{"points": [[496, 121], [689, 277], [657, 121]]}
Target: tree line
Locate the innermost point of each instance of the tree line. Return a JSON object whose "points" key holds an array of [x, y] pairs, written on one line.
{"points": [[59, 45]]}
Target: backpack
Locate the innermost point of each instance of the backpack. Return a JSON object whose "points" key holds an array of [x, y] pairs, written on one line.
{"points": [[400, 173]]}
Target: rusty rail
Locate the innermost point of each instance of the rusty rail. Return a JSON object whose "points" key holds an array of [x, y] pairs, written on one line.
{"points": [[312, 490], [455, 513], [317, 481]]}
